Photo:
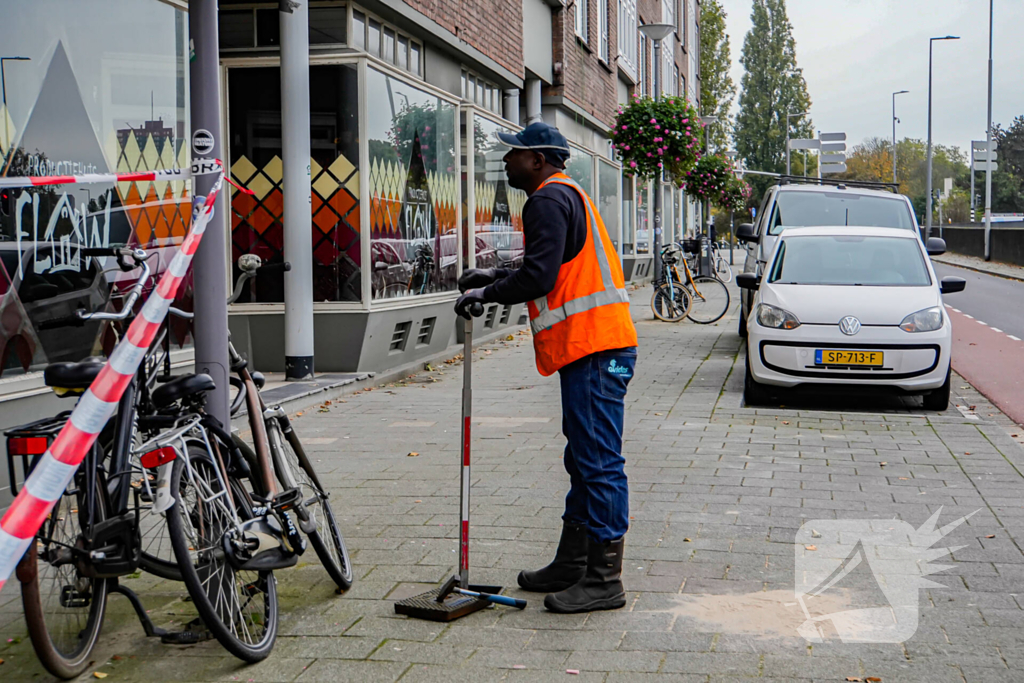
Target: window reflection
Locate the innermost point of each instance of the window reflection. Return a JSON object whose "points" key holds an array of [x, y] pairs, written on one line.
{"points": [[580, 168], [609, 199], [414, 189], [499, 208], [643, 216]]}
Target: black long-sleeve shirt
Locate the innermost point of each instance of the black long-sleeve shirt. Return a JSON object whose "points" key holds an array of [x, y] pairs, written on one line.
{"points": [[554, 232]]}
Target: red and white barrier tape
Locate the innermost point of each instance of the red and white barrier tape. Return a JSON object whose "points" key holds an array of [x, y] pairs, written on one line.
{"points": [[57, 466], [198, 168]]}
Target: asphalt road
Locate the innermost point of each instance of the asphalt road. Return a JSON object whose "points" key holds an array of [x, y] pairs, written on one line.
{"points": [[988, 325], [996, 301]]}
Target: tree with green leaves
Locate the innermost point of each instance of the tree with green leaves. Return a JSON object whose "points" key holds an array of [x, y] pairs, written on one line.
{"points": [[772, 87], [717, 89]]}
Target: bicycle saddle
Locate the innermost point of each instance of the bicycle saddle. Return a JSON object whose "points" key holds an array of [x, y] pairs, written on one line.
{"points": [[72, 376], [180, 387]]}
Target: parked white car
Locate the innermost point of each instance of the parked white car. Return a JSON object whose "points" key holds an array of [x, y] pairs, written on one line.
{"points": [[845, 306]]}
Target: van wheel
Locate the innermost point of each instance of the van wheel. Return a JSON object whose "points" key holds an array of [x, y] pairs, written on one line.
{"points": [[754, 393], [939, 398]]}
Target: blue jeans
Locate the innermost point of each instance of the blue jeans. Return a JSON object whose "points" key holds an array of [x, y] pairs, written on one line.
{"points": [[593, 412]]}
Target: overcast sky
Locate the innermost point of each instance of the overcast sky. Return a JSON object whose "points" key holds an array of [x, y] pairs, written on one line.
{"points": [[856, 53]]}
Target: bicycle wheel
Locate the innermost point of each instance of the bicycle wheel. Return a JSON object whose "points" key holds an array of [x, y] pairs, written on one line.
{"points": [[63, 608], [239, 607], [671, 302], [710, 299], [722, 269], [326, 537]]}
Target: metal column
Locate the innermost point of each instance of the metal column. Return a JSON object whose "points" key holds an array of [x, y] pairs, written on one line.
{"points": [[533, 109], [210, 326], [298, 243], [510, 107], [988, 147], [658, 189]]}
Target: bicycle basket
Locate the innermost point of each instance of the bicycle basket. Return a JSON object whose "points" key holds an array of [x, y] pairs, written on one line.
{"points": [[691, 245]]}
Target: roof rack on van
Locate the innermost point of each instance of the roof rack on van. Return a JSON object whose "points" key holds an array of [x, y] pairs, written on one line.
{"points": [[867, 184]]}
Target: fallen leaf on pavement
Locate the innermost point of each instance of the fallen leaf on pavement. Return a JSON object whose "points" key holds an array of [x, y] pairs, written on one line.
{"points": [[815, 533], [873, 679], [990, 536], [574, 672], [883, 464], [904, 478], [687, 540], [412, 454], [967, 452], [510, 338], [810, 547], [298, 414], [854, 679], [785, 422], [99, 674]]}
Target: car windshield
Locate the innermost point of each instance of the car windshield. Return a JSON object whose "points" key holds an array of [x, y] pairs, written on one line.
{"points": [[851, 260], [810, 209]]}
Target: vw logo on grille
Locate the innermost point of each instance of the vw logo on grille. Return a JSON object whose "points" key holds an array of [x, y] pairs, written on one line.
{"points": [[849, 326]]}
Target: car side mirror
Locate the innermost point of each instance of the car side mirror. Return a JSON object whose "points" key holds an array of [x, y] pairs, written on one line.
{"points": [[936, 246], [748, 281], [952, 284], [745, 233]]}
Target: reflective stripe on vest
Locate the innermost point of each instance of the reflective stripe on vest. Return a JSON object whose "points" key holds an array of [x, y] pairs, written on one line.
{"points": [[548, 318]]}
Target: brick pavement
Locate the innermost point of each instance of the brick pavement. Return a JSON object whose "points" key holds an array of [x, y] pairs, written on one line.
{"points": [[718, 492]]}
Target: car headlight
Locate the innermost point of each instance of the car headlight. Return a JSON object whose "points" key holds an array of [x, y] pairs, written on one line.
{"points": [[928, 320], [776, 318]]}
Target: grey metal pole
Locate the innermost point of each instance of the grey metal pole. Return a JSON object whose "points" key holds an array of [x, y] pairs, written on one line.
{"points": [[295, 148], [988, 139], [209, 269], [656, 241], [894, 122], [928, 192], [787, 142], [465, 473]]}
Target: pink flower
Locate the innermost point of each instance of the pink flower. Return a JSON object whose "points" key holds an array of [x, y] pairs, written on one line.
{"points": [[654, 120], [677, 158], [686, 121], [659, 165], [649, 154], [632, 164], [625, 147], [624, 127], [657, 128]]}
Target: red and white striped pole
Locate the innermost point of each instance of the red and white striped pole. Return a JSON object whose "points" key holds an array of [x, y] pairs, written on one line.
{"points": [[467, 414], [55, 469]]}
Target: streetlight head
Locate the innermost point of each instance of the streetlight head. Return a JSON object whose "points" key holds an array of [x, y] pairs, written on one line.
{"points": [[657, 31], [946, 38], [900, 92], [708, 120]]}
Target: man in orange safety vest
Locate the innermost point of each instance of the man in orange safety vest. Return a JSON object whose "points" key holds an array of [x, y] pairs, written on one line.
{"points": [[571, 280]]}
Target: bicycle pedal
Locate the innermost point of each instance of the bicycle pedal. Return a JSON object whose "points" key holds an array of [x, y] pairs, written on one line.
{"points": [[286, 500], [72, 599]]}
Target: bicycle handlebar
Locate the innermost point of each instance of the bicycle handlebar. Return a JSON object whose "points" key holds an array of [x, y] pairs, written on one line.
{"points": [[138, 260]]}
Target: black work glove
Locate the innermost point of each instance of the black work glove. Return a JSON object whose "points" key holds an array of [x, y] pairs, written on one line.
{"points": [[477, 277], [467, 301]]}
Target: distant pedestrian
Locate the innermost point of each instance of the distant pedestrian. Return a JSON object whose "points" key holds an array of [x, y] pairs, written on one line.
{"points": [[572, 282]]}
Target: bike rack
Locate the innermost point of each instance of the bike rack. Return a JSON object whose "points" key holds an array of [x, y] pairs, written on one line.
{"points": [[184, 637]]}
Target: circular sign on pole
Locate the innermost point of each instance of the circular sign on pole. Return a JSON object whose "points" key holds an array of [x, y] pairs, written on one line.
{"points": [[202, 142]]}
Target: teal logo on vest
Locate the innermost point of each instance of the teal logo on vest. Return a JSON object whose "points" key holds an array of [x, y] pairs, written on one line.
{"points": [[617, 369]]}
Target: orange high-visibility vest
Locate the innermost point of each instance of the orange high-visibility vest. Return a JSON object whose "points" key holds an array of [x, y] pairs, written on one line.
{"points": [[588, 310]]}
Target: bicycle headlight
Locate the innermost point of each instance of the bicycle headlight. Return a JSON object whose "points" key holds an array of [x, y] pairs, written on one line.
{"points": [[776, 318], [927, 320]]}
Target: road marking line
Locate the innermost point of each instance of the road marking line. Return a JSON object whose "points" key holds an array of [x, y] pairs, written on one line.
{"points": [[969, 316], [953, 309], [997, 329], [1013, 338], [981, 323]]}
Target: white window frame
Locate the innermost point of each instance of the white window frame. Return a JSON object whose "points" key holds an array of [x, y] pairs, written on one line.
{"points": [[669, 12], [582, 19], [602, 30], [628, 31], [642, 69]]}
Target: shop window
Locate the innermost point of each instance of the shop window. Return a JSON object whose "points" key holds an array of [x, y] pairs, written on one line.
{"points": [[103, 100], [327, 25], [499, 208], [254, 99], [237, 29], [644, 219], [609, 193], [268, 28], [580, 168], [628, 216], [414, 188]]}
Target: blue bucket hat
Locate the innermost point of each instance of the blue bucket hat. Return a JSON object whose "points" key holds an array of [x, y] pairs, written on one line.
{"points": [[541, 137]]}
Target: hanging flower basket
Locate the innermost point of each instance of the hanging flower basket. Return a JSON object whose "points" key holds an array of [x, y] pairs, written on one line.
{"points": [[713, 180], [651, 137]]}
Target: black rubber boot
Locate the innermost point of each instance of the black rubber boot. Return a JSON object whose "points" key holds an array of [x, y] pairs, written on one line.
{"points": [[601, 586], [567, 568]]}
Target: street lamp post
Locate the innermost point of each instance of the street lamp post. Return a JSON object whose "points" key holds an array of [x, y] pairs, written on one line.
{"points": [[928, 198], [656, 33], [7, 113], [988, 147], [705, 253], [788, 117], [894, 122]]}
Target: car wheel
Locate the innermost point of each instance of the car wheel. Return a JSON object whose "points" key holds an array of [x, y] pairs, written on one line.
{"points": [[754, 393], [939, 398], [743, 324]]}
